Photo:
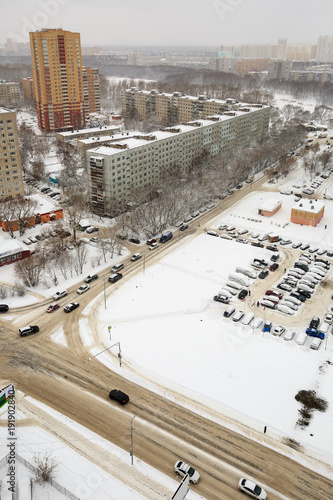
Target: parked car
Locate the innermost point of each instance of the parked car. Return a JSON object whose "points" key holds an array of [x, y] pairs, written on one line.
{"points": [[238, 316], [315, 344], [183, 227], [242, 294], [267, 326], [28, 330], [301, 338], [274, 292], [305, 246], [91, 278], [182, 469], [257, 244], [32, 239], [296, 245], [314, 323], [136, 256], [313, 332], [329, 318], [92, 229], [272, 248], [151, 241], [114, 277], [4, 308], [221, 298], [263, 274], [82, 289], [289, 335], [59, 295], [229, 312], [155, 245], [119, 396], [278, 330], [135, 240], [252, 489], [298, 296], [274, 267], [71, 306], [52, 307]]}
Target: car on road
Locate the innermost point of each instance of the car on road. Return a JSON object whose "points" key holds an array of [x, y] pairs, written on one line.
{"points": [[136, 256], [257, 244], [82, 289], [274, 267], [119, 396], [115, 277], [252, 489], [91, 278], [71, 306], [242, 294], [182, 468], [28, 330], [52, 307], [151, 241], [92, 229], [262, 275], [153, 246], [289, 335], [278, 330], [4, 308], [267, 326], [183, 227], [59, 295]]}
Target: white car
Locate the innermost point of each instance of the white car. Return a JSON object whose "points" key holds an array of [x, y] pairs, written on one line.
{"points": [[58, 295], [278, 330], [329, 318], [153, 246], [82, 289], [289, 335], [252, 489], [182, 469]]}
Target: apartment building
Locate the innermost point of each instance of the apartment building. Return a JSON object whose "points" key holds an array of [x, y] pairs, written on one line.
{"points": [[279, 70], [91, 90], [9, 93], [115, 170], [28, 87], [57, 76], [246, 66], [11, 183], [172, 108]]}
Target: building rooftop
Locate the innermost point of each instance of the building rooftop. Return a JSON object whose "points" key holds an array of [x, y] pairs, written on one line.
{"points": [[8, 245], [270, 205], [87, 131], [308, 205]]}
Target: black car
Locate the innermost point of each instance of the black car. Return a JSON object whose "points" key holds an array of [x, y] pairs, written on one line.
{"points": [[135, 240], [70, 307], [298, 296], [304, 267], [329, 254], [274, 257], [89, 278], [242, 294], [119, 396], [272, 248], [257, 244], [304, 293], [314, 323], [221, 298], [28, 330], [115, 277], [274, 267], [3, 308], [183, 227], [44, 189], [263, 274]]}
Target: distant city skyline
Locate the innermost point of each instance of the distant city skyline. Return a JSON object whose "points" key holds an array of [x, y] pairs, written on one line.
{"points": [[160, 23]]}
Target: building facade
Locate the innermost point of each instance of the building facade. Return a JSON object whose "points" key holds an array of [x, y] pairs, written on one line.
{"points": [[91, 90], [116, 170], [307, 212], [28, 88], [9, 93], [11, 182], [279, 70], [57, 76]]}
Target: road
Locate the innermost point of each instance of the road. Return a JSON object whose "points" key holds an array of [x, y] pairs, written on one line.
{"points": [[164, 430]]}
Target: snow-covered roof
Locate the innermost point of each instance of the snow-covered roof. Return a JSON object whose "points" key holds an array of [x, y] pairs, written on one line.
{"points": [[88, 131], [10, 246], [308, 205], [270, 205], [315, 125], [43, 205]]}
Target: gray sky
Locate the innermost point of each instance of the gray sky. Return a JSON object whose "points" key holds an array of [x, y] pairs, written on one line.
{"points": [[172, 22]]}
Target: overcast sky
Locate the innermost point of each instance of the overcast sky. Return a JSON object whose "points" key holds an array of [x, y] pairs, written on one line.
{"points": [[171, 22]]}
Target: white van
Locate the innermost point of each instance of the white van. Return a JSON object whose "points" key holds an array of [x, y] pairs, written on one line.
{"points": [[116, 268], [248, 318], [324, 327], [263, 237], [301, 338], [315, 344]]}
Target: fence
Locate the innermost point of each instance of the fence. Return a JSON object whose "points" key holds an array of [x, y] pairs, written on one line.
{"points": [[33, 469]]}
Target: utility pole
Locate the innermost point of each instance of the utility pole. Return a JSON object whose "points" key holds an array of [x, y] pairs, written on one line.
{"points": [[131, 452], [104, 295]]}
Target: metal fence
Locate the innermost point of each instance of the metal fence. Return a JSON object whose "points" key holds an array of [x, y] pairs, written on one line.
{"points": [[33, 469]]}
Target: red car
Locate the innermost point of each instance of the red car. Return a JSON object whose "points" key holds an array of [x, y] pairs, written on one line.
{"points": [[150, 242], [274, 292], [274, 267], [52, 307]]}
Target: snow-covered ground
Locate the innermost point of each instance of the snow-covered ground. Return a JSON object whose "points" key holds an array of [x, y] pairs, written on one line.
{"points": [[281, 100]]}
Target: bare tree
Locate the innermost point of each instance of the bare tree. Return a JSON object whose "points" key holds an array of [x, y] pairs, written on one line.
{"points": [[46, 467], [30, 269], [81, 253]]}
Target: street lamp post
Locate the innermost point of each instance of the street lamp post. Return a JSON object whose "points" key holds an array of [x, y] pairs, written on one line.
{"points": [[131, 452], [104, 296], [119, 352]]}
